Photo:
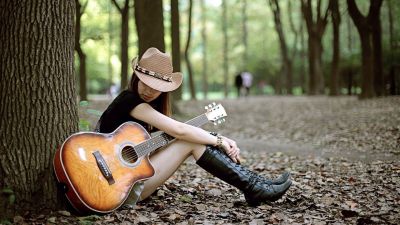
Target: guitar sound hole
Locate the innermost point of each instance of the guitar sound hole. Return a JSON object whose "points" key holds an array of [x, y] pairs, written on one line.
{"points": [[129, 154]]}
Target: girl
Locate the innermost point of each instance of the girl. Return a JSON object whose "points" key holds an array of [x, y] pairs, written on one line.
{"points": [[147, 102]]}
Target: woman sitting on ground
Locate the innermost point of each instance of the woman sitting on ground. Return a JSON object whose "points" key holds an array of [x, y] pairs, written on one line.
{"points": [[147, 102]]}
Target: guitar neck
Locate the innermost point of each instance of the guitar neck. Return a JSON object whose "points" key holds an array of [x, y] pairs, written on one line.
{"points": [[163, 139]]}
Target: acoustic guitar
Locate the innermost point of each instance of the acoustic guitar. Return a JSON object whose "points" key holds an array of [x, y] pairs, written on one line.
{"points": [[97, 171]]}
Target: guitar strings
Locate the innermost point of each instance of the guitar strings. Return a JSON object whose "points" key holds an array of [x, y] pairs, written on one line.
{"points": [[137, 151], [142, 151]]}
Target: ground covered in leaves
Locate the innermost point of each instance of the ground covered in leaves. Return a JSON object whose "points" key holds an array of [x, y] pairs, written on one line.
{"points": [[343, 155]]}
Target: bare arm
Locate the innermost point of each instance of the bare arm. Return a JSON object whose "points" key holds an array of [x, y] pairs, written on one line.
{"points": [[179, 130]]}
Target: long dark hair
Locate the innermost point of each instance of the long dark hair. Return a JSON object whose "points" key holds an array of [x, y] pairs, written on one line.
{"points": [[161, 104]]}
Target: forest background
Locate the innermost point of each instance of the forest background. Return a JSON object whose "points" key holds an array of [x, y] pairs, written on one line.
{"points": [[55, 54], [226, 39]]}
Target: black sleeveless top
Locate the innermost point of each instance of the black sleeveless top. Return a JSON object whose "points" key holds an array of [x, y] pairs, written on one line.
{"points": [[118, 111]]}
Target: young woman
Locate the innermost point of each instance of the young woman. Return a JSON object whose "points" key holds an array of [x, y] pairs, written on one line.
{"points": [[146, 102]]}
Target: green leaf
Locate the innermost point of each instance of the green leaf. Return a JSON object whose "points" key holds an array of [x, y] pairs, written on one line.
{"points": [[84, 125], [186, 198], [94, 112], [11, 199], [83, 103], [7, 191], [88, 220], [5, 222]]}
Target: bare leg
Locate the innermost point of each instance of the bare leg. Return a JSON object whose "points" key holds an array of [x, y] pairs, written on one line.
{"points": [[167, 161]]}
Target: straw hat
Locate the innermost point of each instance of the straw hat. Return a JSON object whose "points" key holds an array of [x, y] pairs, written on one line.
{"points": [[155, 70]]}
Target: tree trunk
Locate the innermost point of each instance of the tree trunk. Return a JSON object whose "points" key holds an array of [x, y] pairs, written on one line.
{"points": [[303, 64], [315, 32], [244, 35], [364, 26], [124, 11], [187, 57], [176, 47], [150, 31], [287, 62], [379, 83], [38, 100], [204, 38], [335, 15], [349, 72], [392, 74], [225, 48], [82, 56]]}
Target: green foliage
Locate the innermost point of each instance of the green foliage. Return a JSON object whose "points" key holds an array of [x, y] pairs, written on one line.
{"points": [[10, 195], [100, 40], [84, 124], [88, 220], [5, 222]]}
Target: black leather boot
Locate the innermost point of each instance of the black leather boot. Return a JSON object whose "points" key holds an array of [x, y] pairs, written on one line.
{"points": [[256, 190], [280, 180]]}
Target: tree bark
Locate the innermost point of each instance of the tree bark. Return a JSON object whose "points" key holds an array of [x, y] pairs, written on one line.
{"points": [[335, 15], [176, 49], [364, 26], [379, 83], [150, 31], [303, 57], [124, 11], [287, 62], [187, 57], [38, 100], [204, 39], [315, 32], [81, 55], [225, 47], [392, 74]]}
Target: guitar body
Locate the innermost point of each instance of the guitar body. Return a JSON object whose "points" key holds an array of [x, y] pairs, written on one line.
{"points": [[99, 170]]}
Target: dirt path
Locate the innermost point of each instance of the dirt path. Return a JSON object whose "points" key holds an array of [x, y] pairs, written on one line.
{"points": [[323, 126]]}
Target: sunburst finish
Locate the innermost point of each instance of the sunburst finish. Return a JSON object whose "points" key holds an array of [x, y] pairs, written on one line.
{"points": [[88, 190]]}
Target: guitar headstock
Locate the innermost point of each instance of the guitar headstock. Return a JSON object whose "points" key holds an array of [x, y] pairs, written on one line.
{"points": [[215, 113]]}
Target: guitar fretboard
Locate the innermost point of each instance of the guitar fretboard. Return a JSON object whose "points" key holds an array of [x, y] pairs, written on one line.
{"points": [[163, 139]]}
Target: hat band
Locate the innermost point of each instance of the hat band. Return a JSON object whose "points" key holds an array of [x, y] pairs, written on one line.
{"points": [[153, 74]]}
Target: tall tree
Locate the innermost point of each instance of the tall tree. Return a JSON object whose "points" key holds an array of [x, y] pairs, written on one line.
{"points": [[287, 62], [204, 40], [37, 97], [124, 11], [349, 70], [392, 75], [366, 25], [176, 46], [302, 53], [315, 30], [81, 55], [225, 48], [150, 31], [187, 55], [335, 15], [244, 34]]}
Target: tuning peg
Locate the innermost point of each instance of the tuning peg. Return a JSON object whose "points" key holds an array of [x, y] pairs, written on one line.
{"points": [[214, 104], [223, 120], [219, 122], [215, 123], [206, 107]]}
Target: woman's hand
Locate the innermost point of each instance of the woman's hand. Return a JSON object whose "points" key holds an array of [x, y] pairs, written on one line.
{"points": [[231, 148]]}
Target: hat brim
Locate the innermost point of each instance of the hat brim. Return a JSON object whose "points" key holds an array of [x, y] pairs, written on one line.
{"points": [[161, 85], [158, 84]]}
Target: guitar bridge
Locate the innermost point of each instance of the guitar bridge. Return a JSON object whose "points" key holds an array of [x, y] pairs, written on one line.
{"points": [[101, 163]]}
